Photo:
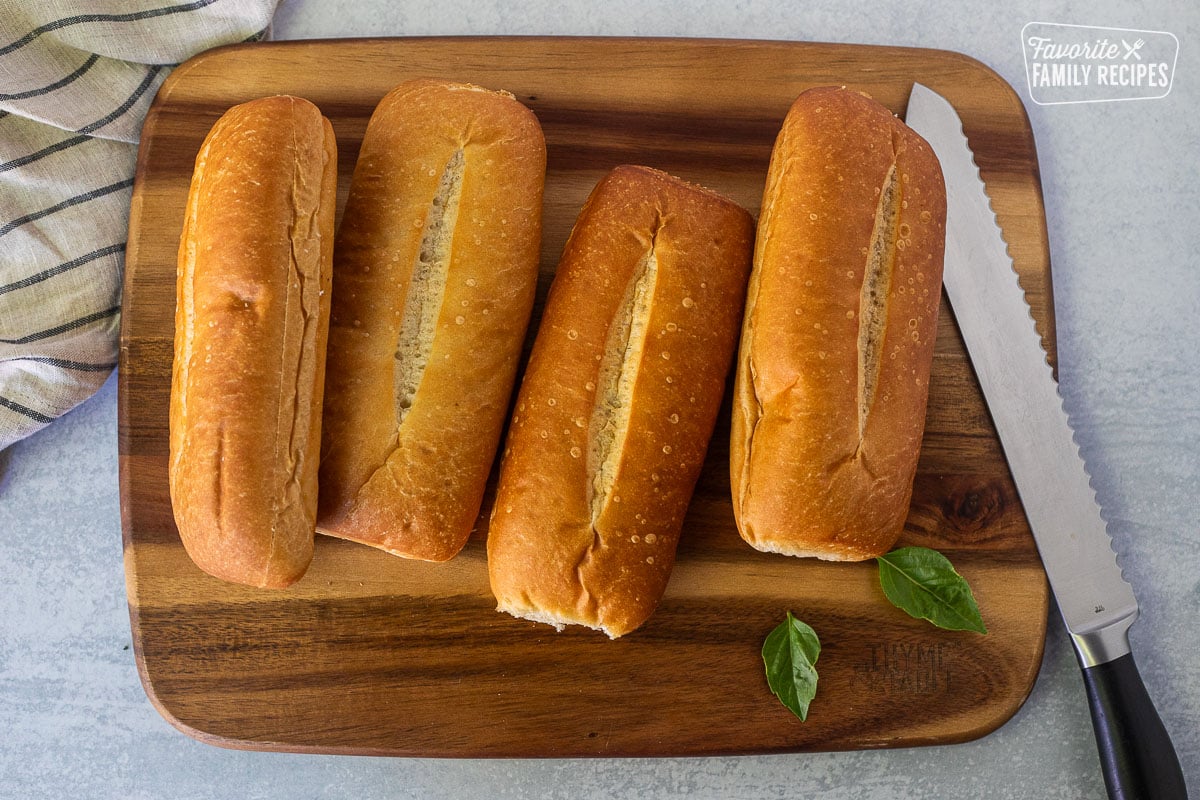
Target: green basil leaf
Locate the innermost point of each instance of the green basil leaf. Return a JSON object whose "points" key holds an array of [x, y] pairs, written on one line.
{"points": [[923, 583], [790, 656]]}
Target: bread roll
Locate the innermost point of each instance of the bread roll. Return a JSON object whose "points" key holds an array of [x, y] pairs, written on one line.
{"points": [[841, 317], [251, 318], [618, 402], [435, 273]]}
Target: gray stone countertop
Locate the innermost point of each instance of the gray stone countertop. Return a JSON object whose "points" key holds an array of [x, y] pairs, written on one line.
{"points": [[1123, 207]]}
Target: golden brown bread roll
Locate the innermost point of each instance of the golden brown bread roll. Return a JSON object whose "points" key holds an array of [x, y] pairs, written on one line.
{"points": [[250, 325], [435, 273], [618, 402], [841, 316]]}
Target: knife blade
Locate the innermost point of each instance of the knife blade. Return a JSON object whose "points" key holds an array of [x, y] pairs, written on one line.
{"points": [[1096, 603]]}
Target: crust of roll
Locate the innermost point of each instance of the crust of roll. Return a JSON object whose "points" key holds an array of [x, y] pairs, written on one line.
{"points": [[251, 320], [618, 402], [841, 317], [435, 274]]}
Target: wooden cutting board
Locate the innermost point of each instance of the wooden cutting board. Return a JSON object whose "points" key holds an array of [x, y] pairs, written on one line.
{"points": [[374, 654]]}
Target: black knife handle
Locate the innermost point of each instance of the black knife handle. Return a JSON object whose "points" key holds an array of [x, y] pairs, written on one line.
{"points": [[1136, 754]]}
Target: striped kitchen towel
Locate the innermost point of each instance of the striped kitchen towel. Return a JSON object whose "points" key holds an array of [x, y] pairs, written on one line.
{"points": [[76, 80]]}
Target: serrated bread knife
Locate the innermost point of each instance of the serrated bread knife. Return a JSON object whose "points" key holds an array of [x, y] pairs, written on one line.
{"points": [[1097, 604]]}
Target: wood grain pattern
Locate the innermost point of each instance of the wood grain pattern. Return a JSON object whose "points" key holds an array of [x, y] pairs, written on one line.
{"points": [[377, 655]]}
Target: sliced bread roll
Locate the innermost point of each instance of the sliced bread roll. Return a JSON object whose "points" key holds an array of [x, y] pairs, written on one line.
{"points": [[435, 273], [841, 317], [618, 402]]}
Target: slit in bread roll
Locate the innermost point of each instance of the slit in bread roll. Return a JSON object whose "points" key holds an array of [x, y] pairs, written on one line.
{"points": [[618, 374], [876, 288], [618, 402], [837, 342], [251, 318], [423, 304], [435, 274]]}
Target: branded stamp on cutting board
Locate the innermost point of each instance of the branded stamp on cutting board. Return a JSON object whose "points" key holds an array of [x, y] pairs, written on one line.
{"points": [[373, 654]]}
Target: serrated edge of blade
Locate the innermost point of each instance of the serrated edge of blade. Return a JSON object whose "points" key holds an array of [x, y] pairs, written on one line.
{"points": [[1076, 454]]}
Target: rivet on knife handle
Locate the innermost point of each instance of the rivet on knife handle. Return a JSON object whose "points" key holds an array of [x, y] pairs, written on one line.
{"points": [[1097, 604]]}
